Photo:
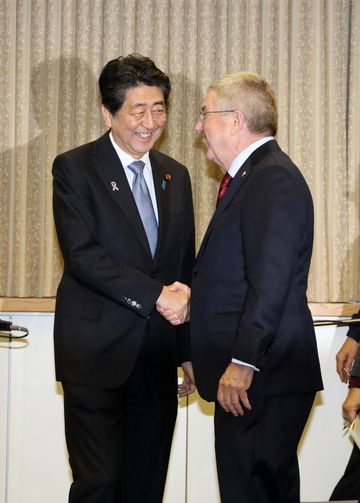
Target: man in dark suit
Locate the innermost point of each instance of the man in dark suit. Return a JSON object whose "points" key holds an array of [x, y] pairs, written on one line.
{"points": [[253, 344], [124, 219], [348, 368]]}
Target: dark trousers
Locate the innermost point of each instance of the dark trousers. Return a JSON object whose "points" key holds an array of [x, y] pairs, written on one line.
{"points": [[348, 487], [256, 453], [119, 440]]}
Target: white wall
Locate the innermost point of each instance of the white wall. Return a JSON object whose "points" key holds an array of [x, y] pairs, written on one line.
{"points": [[33, 457]]}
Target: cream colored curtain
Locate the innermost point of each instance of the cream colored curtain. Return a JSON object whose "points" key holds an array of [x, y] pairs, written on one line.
{"points": [[51, 54]]}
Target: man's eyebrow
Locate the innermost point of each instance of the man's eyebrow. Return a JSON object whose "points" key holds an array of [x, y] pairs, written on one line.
{"points": [[140, 104]]}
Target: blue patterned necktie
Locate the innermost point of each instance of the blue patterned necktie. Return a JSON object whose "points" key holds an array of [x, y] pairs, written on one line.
{"points": [[144, 204]]}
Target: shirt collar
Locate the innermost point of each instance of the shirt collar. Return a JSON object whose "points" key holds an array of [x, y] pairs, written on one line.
{"points": [[245, 154], [124, 157]]}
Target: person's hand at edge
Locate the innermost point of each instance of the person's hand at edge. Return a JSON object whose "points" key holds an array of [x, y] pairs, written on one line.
{"points": [[351, 406], [345, 358]]}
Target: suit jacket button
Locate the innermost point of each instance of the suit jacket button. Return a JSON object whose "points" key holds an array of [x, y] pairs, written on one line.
{"points": [[194, 274]]}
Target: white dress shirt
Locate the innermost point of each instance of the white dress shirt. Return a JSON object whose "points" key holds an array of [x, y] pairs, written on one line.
{"points": [[126, 159]]}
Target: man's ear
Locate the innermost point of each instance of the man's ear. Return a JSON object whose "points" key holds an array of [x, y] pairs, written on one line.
{"points": [[107, 116], [238, 121]]}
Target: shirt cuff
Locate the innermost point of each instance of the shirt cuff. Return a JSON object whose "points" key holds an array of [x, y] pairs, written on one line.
{"points": [[234, 360]]}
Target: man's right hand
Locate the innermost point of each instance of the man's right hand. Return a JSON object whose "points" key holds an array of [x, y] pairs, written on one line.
{"points": [[173, 303]]}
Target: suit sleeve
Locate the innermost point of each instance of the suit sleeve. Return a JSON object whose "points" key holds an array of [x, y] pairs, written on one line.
{"points": [[276, 228], [84, 257], [355, 371], [354, 333], [354, 330]]}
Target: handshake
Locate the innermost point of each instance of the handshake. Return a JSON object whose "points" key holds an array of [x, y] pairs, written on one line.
{"points": [[174, 303]]}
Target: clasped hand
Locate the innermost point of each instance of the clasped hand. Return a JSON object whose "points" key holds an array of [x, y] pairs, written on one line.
{"points": [[173, 303]]}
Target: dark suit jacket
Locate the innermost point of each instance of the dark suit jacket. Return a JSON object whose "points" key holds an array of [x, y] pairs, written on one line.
{"points": [[249, 285], [106, 297], [354, 333]]}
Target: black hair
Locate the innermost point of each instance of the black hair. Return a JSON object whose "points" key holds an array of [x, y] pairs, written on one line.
{"points": [[125, 72]]}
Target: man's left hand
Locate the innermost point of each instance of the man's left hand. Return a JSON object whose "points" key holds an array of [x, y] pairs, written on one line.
{"points": [[232, 390], [188, 385]]}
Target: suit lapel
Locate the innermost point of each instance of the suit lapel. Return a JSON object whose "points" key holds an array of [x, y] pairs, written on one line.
{"points": [[162, 181], [241, 176], [109, 168], [233, 188]]}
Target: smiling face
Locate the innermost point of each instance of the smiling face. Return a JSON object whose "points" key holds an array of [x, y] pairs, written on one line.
{"points": [[139, 123]]}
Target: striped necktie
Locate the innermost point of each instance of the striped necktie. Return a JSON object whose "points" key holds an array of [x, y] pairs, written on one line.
{"points": [[225, 182]]}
